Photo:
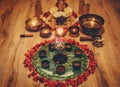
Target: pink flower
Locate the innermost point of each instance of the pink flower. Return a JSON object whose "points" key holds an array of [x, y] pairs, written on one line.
{"points": [[46, 14]]}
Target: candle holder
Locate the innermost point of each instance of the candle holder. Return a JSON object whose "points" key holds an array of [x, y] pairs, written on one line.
{"points": [[91, 24], [45, 32], [60, 58], [78, 53], [76, 65], [45, 64], [68, 47], [74, 31], [52, 47], [33, 24], [60, 69], [60, 32], [42, 53]]}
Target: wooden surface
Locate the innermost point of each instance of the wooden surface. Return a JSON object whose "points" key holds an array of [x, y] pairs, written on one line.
{"points": [[13, 14]]}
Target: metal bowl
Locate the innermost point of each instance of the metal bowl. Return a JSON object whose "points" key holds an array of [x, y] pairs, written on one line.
{"points": [[45, 32], [74, 31], [33, 24], [91, 24]]}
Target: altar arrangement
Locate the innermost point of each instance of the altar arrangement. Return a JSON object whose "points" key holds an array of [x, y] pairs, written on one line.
{"points": [[58, 61]]}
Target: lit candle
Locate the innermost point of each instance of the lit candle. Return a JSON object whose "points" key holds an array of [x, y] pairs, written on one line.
{"points": [[45, 31], [60, 31]]}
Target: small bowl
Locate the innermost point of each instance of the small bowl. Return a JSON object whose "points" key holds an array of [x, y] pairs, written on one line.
{"points": [[91, 24], [60, 69], [74, 31], [45, 32], [33, 24], [68, 47], [42, 53], [51, 47], [76, 65], [78, 53], [60, 58], [45, 64]]}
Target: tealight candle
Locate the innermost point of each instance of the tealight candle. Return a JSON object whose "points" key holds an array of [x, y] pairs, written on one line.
{"points": [[42, 53], [78, 53], [60, 32]]}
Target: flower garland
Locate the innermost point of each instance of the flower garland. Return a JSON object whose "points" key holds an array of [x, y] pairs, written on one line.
{"points": [[56, 83]]}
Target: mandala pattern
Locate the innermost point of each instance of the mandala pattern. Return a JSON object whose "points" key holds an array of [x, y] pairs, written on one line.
{"points": [[49, 75]]}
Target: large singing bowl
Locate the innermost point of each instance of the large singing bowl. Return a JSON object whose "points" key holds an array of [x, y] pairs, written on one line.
{"points": [[91, 23], [33, 24]]}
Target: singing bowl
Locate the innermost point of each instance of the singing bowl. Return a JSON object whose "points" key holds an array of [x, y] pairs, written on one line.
{"points": [[45, 32], [33, 24], [91, 23]]}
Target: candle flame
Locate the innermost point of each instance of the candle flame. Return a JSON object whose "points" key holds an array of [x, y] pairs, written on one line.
{"points": [[60, 31]]}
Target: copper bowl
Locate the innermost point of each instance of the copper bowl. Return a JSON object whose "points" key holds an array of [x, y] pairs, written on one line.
{"points": [[33, 23], [45, 32], [74, 31], [91, 24]]}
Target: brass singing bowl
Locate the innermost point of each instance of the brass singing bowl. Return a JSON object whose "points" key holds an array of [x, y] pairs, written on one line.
{"points": [[33, 24], [91, 23], [45, 32]]}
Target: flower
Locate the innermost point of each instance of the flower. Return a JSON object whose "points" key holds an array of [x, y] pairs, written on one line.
{"points": [[46, 14], [74, 14]]}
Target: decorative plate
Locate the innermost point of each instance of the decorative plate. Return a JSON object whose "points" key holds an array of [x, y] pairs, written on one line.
{"points": [[49, 75]]}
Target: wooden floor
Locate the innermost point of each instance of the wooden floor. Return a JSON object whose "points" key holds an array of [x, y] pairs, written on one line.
{"points": [[13, 14]]}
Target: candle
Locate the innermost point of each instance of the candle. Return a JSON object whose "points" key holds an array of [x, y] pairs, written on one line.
{"points": [[60, 32]]}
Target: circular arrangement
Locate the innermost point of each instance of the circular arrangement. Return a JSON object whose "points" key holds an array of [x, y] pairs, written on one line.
{"points": [[60, 62]]}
